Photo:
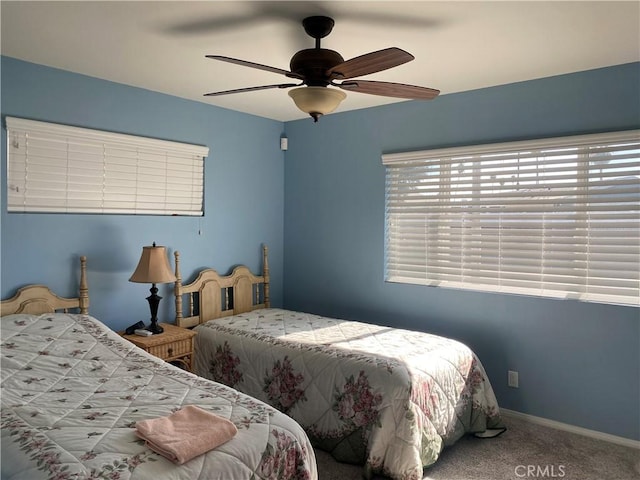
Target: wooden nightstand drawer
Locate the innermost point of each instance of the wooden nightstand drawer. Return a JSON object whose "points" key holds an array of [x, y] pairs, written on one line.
{"points": [[173, 349], [175, 344]]}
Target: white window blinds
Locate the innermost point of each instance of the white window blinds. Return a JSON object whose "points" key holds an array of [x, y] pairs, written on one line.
{"points": [[557, 217], [58, 168]]}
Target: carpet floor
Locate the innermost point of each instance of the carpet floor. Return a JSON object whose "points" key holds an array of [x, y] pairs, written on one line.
{"points": [[525, 451]]}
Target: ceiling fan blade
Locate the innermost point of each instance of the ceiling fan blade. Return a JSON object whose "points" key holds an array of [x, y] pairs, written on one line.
{"points": [[390, 89], [259, 66], [370, 63], [252, 89]]}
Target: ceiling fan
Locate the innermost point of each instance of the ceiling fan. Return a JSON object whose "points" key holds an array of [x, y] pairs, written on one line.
{"points": [[320, 68]]}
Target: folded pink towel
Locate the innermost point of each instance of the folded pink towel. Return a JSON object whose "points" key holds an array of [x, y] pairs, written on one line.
{"points": [[186, 433]]}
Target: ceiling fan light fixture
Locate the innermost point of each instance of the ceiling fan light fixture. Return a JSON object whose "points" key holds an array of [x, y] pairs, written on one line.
{"points": [[317, 101], [318, 67]]}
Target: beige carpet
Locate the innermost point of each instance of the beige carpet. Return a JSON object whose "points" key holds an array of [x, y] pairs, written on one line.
{"points": [[525, 451]]}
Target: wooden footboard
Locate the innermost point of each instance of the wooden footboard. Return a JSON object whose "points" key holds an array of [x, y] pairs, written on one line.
{"points": [[37, 299], [212, 296]]}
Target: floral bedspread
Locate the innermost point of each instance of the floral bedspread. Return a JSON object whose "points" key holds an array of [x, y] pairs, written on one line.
{"points": [[386, 398], [72, 391]]}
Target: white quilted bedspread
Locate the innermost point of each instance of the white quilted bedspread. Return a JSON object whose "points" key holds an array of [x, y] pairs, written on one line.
{"points": [[72, 391], [387, 398]]}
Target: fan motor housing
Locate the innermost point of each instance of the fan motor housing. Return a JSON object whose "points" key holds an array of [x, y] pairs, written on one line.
{"points": [[313, 63]]}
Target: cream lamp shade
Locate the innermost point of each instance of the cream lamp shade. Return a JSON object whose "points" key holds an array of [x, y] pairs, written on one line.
{"points": [[317, 101], [153, 266]]}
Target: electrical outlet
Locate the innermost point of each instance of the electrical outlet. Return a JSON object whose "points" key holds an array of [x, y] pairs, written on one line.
{"points": [[513, 379]]}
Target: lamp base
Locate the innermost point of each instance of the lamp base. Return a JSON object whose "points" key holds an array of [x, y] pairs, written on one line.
{"points": [[155, 328], [154, 301]]}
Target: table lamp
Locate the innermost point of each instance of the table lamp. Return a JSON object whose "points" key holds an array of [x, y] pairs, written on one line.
{"points": [[153, 268]]}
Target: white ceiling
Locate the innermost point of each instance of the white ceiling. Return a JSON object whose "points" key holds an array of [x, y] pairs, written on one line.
{"points": [[458, 46]]}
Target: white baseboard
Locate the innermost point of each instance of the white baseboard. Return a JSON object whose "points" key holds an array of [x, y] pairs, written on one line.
{"points": [[626, 442]]}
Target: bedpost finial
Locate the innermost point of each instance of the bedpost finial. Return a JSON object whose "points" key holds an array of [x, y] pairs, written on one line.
{"points": [[265, 275], [177, 289], [265, 259], [176, 255], [84, 289]]}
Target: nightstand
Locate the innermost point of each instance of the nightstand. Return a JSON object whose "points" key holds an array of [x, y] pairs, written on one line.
{"points": [[175, 344]]}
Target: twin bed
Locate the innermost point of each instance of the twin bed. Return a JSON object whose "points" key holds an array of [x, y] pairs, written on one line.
{"points": [[386, 398], [73, 390]]}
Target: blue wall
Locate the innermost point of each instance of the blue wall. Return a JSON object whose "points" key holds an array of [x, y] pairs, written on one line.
{"points": [[244, 194], [322, 214], [579, 363]]}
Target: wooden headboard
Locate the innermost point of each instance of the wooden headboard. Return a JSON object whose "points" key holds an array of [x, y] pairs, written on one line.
{"points": [[38, 299], [221, 296]]}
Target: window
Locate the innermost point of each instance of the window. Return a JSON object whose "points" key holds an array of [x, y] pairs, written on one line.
{"points": [[555, 218], [58, 168]]}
